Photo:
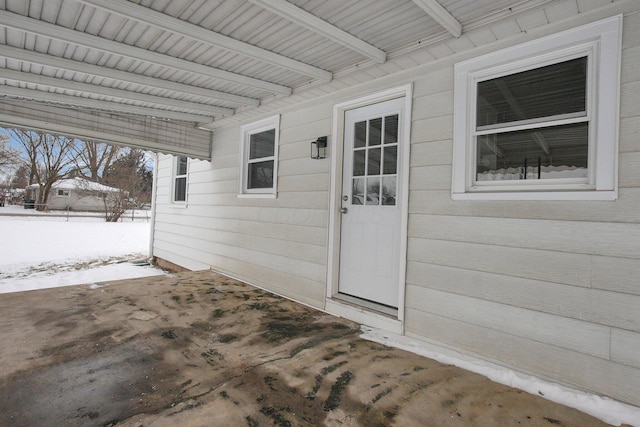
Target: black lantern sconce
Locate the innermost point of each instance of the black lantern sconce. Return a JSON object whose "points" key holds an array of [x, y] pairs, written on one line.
{"points": [[319, 148]]}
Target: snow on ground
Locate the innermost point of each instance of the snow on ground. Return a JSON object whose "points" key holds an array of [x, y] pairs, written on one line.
{"points": [[607, 410], [43, 250]]}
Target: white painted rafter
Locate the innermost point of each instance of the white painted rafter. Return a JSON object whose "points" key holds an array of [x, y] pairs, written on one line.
{"points": [[55, 32], [441, 16], [156, 19], [76, 101], [19, 76], [123, 76], [307, 20]]}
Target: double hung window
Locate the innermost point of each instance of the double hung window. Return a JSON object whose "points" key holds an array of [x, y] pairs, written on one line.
{"points": [[180, 171], [259, 156], [539, 121]]}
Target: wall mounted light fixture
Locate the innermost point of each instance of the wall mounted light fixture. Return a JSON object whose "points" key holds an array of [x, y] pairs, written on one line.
{"points": [[319, 148]]}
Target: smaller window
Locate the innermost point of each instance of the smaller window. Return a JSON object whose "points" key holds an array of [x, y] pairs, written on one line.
{"points": [[259, 157], [180, 171], [63, 193]]}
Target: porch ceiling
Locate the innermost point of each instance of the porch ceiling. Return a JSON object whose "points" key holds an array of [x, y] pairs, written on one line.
{"points": [[193, 62]]}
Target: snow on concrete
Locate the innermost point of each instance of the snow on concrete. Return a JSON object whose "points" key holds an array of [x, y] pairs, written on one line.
{"points": [[44, 250], [119, 271], [605, 409]]}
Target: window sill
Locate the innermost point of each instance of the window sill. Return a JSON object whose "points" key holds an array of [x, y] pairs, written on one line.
{"points": [[178, 205], [257, 195], [608, 195]]}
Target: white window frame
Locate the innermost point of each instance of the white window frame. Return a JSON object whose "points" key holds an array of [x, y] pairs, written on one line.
{"points": [[65, 192], [245, 134], [174, 179], [601, 42]]}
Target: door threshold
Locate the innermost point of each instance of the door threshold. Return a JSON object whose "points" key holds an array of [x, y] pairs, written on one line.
{"points": [[340, 306], [371, 305]]}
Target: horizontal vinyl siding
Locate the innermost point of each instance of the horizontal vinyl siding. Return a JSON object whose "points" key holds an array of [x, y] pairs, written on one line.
{"points": [[523, 354], [548, 287], [279, 244]]}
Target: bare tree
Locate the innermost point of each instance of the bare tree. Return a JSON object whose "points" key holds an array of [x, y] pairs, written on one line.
{"points": [[115, 205], [95, 158], [51, 157], [130, 172], [7, 154]]}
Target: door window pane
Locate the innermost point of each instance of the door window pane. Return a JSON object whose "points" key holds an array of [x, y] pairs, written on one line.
{"points": [[373, 191], [358, 162], [390, 160], [360, 135], [373, 167], [357, 192], [391, 129], [389, 190], [375, 131]]}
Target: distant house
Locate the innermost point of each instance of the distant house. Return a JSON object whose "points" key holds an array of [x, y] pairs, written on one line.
{"points": [[76, 194]]}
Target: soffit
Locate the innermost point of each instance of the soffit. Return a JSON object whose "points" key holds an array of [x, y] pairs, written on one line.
{"points": [[231, 55]]}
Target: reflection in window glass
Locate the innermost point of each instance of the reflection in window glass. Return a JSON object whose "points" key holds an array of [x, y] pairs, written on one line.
{"points": [[373, 191], [262, 144], [389, 190], [358, 162], [360, 135], [261, 174], [375, 155], [547, 91], [375, 131], [547, 153], [373, 167], [357, 192], [390, 160], [180, 191], [391, 129], [181, 168]]}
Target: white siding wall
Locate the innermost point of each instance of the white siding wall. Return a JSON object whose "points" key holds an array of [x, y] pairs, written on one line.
{"points": [[547, 287], [280, 244]]}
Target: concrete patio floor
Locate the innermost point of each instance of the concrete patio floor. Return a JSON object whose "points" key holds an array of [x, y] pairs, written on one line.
{"points": [[200, 349]]}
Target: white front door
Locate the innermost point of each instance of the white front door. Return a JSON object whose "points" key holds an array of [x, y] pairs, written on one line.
{"points": [[371, 209]]}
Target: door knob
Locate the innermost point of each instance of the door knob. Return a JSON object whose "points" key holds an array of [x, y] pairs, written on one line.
{"points": [[344, 210]]}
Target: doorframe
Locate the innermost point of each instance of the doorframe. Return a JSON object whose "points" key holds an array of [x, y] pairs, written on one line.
{"points": [[361, 314]]}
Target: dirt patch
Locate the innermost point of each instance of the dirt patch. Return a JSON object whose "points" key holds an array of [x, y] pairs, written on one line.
{"points": [[202, 349]]}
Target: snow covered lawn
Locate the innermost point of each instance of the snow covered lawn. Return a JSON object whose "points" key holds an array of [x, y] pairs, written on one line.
{"points": [[45, 250]]}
